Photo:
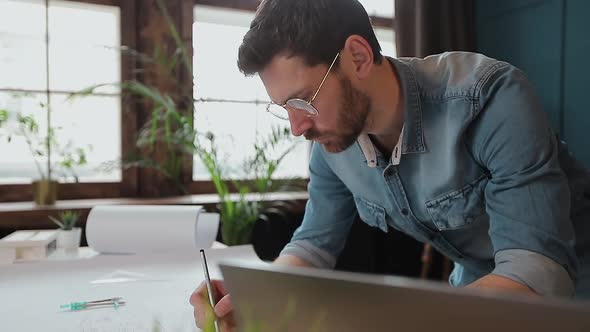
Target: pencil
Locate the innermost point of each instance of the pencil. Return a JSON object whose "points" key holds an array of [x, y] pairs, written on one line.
{"points": [[209, 286]]}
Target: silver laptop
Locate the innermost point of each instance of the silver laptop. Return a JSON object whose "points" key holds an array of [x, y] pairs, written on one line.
{"points": [[278, 298]]}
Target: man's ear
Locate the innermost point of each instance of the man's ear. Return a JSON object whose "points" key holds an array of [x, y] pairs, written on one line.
{"points": [[357, 49]]}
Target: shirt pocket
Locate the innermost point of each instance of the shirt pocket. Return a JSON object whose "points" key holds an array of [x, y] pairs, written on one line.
{"points": [[372, 214], [459, 208]]}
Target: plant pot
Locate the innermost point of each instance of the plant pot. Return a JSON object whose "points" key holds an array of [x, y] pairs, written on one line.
{"points": [[69, 239], [45, 192], [232, 236]]}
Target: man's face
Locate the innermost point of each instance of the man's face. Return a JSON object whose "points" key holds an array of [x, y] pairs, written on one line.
{"points": [[342, 109]]}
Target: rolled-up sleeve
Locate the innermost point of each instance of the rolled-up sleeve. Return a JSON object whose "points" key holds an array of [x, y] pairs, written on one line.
{"points": [[329, 214], [527, 197], [540, 273]]}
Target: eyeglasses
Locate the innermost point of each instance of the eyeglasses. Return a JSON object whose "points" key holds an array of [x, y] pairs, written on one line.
{"points": [[297, 104]]}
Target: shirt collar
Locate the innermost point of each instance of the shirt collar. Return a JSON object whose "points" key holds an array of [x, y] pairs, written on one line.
{"points": [[373, 157], [412, 135]]}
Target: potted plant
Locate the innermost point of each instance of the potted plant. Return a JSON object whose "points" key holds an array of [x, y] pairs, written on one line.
{"points": [[68, 236], [52, 159], [239, 212]]}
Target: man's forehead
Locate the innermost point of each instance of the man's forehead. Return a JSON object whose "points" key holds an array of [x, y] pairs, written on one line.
{"points": [[284, 76]]}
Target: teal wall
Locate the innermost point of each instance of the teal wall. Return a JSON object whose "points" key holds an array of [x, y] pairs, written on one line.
{"points": [[549, 40]]}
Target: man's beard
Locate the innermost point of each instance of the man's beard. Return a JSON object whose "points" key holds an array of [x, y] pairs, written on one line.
{"points": [[352, 115]]}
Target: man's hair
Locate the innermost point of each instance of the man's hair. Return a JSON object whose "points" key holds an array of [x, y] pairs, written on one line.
{"points": [[314, 29]]}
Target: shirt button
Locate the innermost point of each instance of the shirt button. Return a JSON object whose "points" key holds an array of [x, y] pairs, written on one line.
{"points": [[405, 211]]}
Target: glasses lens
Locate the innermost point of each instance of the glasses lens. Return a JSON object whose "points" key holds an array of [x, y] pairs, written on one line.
{"points": [[278, 111], [302, 105]]}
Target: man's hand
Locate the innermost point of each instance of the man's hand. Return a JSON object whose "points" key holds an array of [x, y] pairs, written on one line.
{"points": [[291, 260], [223, 308], [493, 282]]}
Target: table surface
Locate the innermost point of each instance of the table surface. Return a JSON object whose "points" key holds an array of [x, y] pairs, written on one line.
{"points": [[32, 292], [61, 254]]}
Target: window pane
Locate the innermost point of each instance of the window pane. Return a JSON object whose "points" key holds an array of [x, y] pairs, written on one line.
{"points": [[22, 44], [214, 63], [80, 123], [92, 123], [17, 164], [296, 162], [84, 41], [382, 8], [386, 38], [84, 45], [235, 139]]}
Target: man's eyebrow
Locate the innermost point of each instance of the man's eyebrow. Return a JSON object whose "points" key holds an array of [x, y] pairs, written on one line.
{"points": [[298, 94]]}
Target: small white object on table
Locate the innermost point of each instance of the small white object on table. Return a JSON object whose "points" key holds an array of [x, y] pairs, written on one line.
{"points": [[27, 245]]}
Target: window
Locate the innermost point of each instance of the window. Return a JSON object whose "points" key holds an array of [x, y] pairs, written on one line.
{"points": [[233, 106], [224, 93], [383, 13], [82, 51], [379, 8]]}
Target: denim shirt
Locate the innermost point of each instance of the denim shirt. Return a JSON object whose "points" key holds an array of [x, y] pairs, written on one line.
{"points": [[479, 178]]}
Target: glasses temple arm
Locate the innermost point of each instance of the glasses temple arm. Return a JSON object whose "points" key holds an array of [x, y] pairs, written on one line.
{"points": [[325, 77]]}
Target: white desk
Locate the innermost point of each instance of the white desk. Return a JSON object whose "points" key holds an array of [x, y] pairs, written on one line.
{"points": [[31, 293], [61, 254]]}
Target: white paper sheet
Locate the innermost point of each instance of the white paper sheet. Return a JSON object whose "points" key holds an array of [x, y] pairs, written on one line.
{"points": [[33, 292], [134, 229]]}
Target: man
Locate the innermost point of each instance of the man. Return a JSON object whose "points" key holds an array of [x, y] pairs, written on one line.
{"points": [[453, 150]]}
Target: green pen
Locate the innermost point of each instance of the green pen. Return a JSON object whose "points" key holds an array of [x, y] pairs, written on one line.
{"points": [[115, 302], [212, 300]]}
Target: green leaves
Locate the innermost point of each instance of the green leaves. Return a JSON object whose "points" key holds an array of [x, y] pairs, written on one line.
{"points": [[3, 116], [169, 104], [240, 212], [40, 146], [67, 220], [29, 123], [176, 36], [72, 158], [89, 90], [57, 222]]}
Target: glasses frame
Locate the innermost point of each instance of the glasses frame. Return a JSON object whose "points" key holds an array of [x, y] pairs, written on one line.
{"points": [[312, 111]]}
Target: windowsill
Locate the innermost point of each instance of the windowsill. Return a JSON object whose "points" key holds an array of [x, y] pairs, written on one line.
{"points": [[201, 199]]}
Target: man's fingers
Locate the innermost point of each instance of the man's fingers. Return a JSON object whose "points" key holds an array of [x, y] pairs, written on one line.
{"points": [[219, 288], [223, 307], [226, 325], [200, 317], [200, 302], [196, 295]]}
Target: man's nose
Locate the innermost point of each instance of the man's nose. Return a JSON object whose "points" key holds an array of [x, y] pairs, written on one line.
{"points": [[299, 123]]}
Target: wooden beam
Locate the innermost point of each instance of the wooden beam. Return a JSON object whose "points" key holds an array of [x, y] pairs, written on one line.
{"points": [[153, 32], [129, 183], [26, 215], [115, 3], [383, 22], [24, 192]]}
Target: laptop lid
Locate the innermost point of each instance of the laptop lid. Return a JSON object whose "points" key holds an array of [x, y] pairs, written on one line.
{"points": [[269, 297]]}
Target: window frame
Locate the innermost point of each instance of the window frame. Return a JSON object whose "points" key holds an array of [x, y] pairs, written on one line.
{"points": [[128, 184], [251, 5]]}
